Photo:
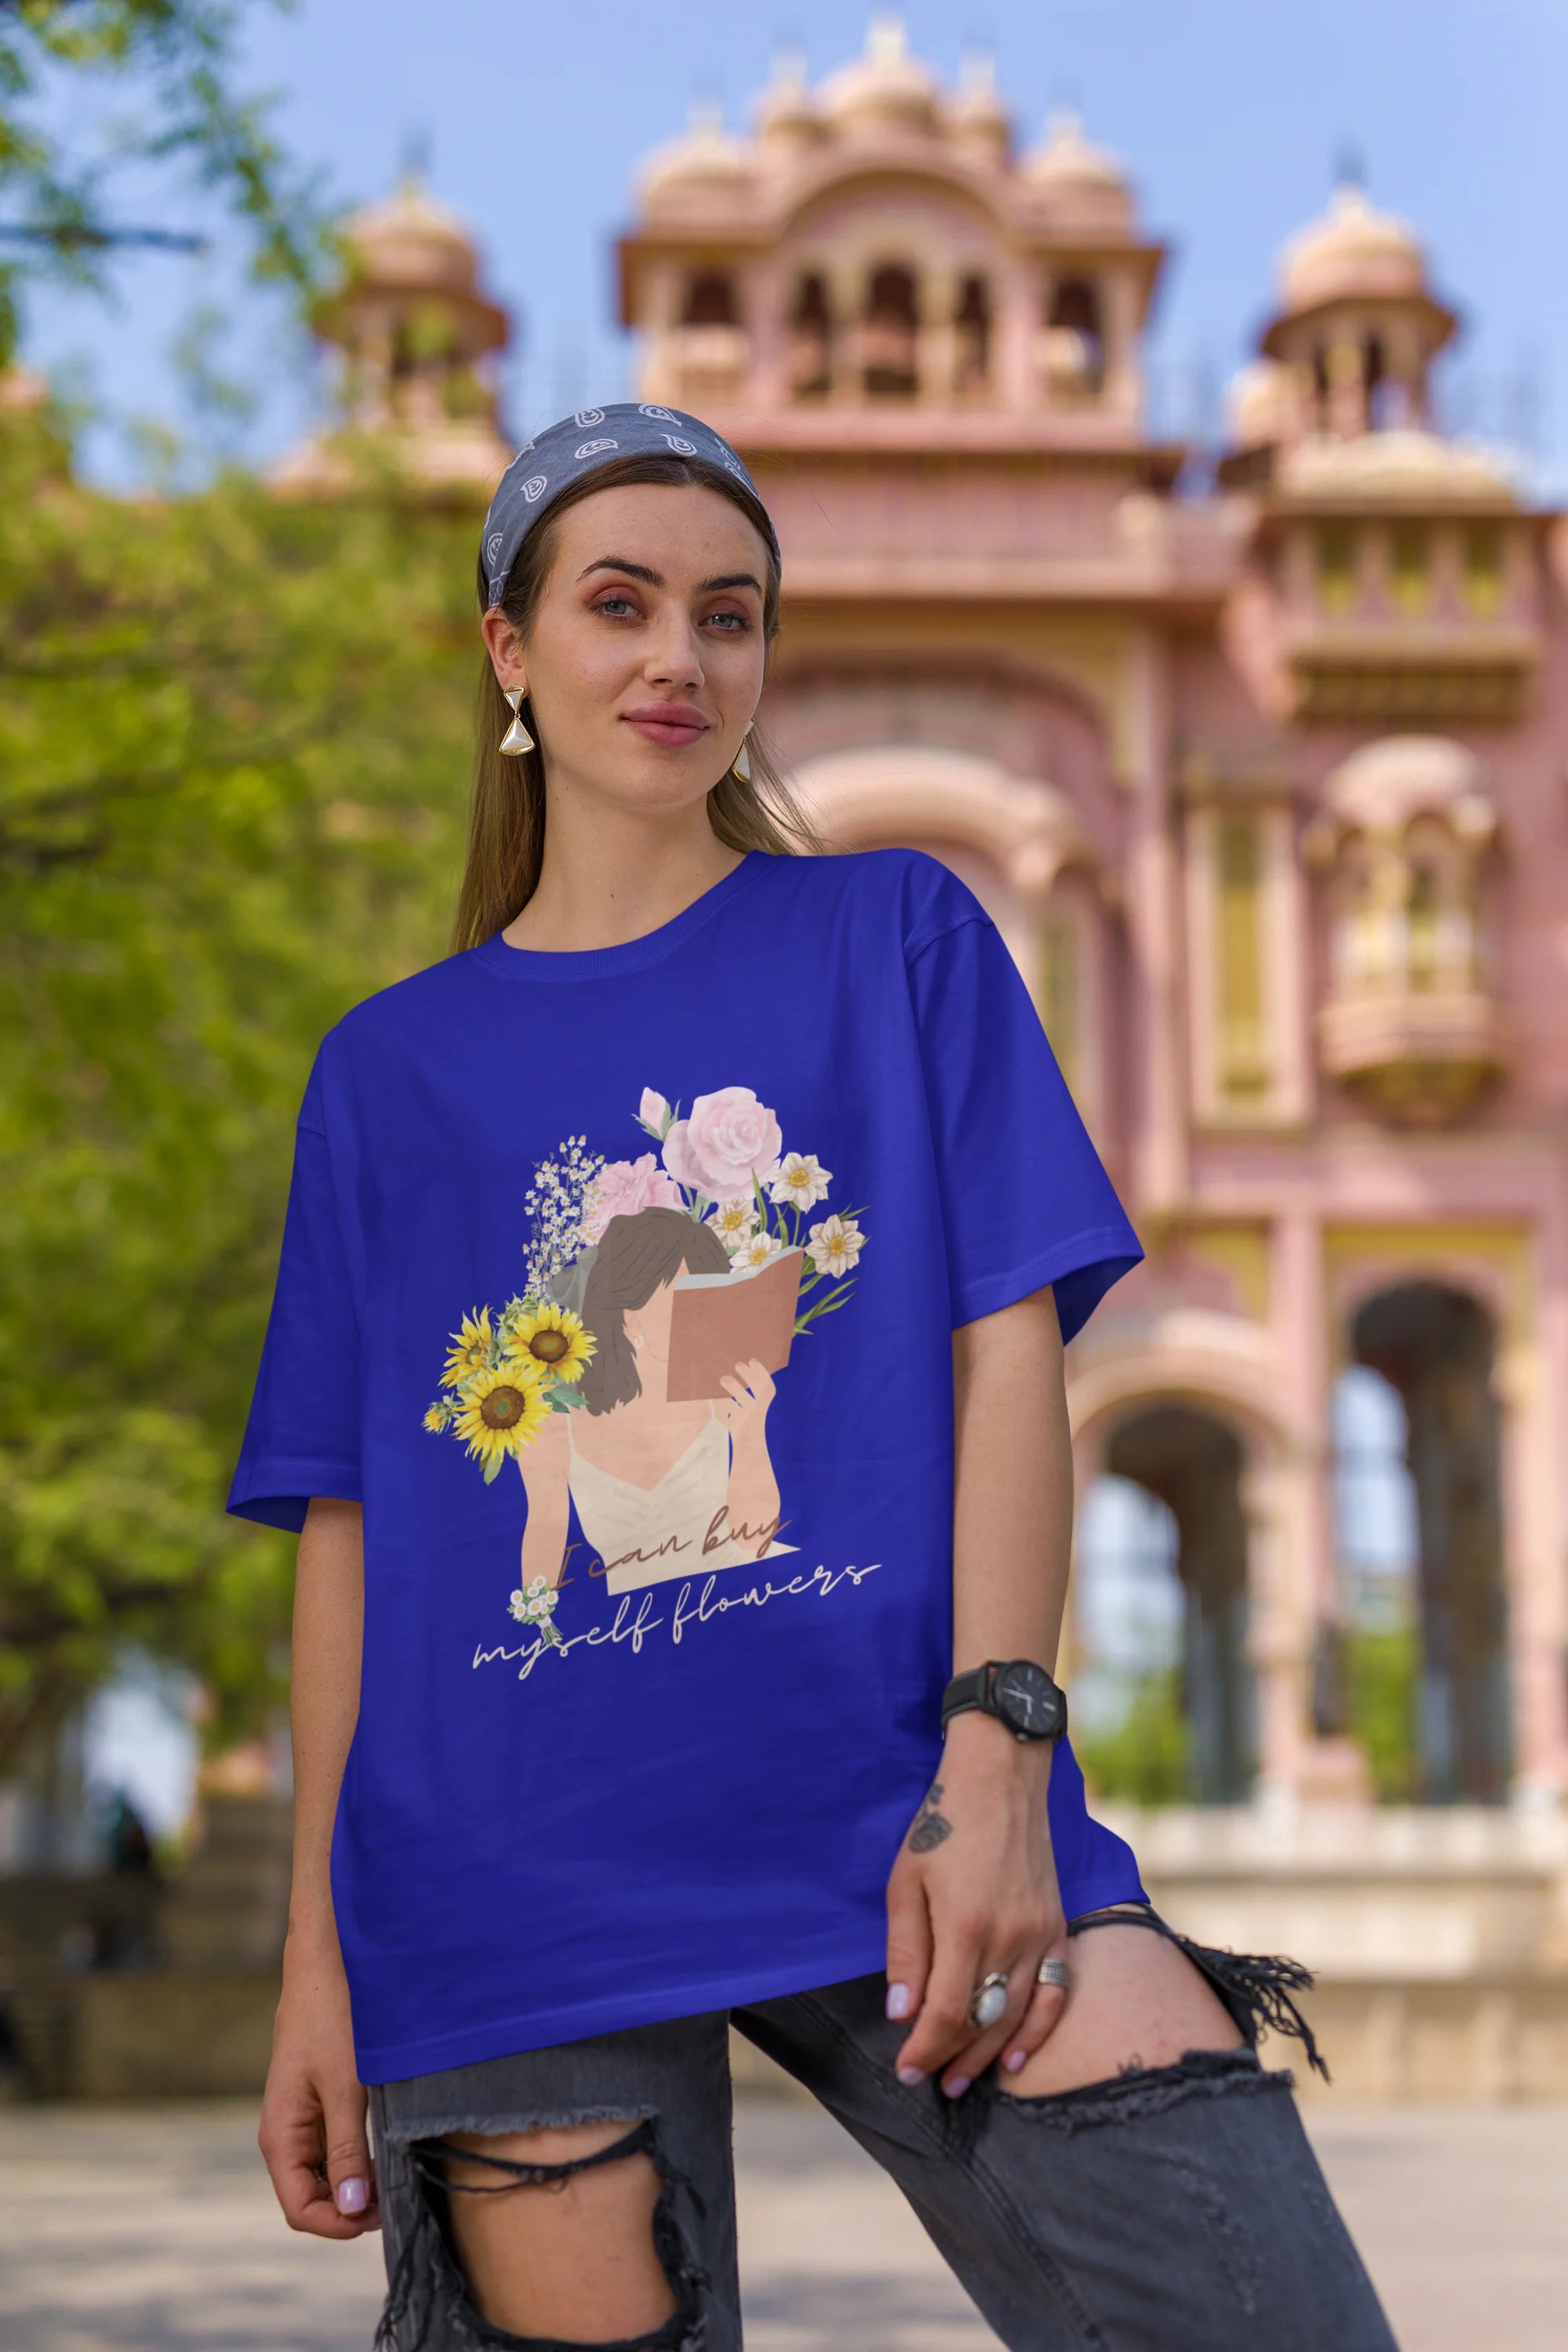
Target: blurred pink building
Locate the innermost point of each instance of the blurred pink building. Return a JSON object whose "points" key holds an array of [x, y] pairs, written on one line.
{"points": [[1266, 788]]}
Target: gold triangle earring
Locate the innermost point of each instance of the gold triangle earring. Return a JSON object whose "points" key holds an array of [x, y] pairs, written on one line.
{"points": [[517, 739], [739, 766]]}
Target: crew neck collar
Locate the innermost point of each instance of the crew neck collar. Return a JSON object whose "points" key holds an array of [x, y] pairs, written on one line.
{"points": [[627, 955]]}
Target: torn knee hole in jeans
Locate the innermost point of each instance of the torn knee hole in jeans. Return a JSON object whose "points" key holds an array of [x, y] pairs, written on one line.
{"points": [[1139, 2092], [427, 2283]]}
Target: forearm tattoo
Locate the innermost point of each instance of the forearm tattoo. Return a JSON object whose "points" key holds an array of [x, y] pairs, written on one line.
{"points": [[929, 1826]]}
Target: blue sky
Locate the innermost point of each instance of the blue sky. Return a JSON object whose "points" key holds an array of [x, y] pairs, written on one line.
{"points": [[1228, 112]]}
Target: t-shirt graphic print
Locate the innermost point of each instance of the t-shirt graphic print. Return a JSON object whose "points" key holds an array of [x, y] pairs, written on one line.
{"points": [[619, 1288], [630, 1382]]}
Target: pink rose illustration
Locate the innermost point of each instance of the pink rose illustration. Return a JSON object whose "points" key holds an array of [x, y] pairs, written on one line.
{"points": [[621, 1187], [728, 1138]]}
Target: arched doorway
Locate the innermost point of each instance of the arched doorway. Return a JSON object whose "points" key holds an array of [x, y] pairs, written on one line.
{"points": [[1435, 1347], [1194, 1463]]}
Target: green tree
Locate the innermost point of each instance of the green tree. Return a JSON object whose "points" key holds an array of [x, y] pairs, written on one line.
{"points": [[233, 744], [172, 63]]}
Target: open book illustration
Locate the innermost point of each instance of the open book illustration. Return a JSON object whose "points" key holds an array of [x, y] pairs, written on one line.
{"points": [[720, 1320]]}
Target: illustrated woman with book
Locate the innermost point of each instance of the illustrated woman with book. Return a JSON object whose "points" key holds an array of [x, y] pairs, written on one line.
{"points": [[664, 1483], [727, 1190]]}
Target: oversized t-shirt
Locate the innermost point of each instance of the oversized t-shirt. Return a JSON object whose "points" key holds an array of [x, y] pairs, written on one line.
{"points": [[618, 1286]]}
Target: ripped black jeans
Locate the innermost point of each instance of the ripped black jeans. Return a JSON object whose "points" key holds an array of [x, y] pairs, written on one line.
{"points": [[1167, 2209]]}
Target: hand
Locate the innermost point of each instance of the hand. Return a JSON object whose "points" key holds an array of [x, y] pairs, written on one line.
{"points": [[313, 2133], [751, 1391], [974, 1890]]}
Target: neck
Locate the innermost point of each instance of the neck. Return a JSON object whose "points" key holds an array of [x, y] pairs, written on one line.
{"points": [[612, 874]]}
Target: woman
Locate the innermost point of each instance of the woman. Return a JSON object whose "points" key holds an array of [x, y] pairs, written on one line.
{"points": [[661, 1485], [827, 1798]]}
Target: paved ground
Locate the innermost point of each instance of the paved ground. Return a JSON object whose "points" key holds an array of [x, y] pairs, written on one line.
{"points": [[151, 2230]]}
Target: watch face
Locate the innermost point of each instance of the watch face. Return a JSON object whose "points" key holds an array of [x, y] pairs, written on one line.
{"points": [[1029, 1700]]}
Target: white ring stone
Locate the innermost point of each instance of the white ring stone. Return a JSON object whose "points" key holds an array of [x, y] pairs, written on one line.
{"points": [[989, 2004]]}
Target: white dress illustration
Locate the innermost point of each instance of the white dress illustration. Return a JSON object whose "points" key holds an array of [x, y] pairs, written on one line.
{"points": [[646, 1535]]}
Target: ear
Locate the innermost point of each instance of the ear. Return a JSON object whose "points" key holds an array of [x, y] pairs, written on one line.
{"points": [[505, 652]]}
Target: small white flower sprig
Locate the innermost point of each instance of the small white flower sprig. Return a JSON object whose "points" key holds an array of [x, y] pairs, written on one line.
{"points": [[556, 1201], [534, 1606], [733, 1174]]}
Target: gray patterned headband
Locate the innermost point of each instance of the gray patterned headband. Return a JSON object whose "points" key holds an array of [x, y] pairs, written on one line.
{"points": [[563, 452]]}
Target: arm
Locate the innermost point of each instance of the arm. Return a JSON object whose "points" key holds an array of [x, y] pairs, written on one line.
{"points": [[974, 1885], [752, 1497], [314, 2108], [546, 1468]]}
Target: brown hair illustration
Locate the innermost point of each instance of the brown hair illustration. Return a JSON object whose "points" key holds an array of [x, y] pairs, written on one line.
{"points": [[636, 1256]]}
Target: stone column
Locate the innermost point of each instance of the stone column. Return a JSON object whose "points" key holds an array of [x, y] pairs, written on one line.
{"points": [[846, 304], [1015, 324], [1122, 392], [1159, 1121]]}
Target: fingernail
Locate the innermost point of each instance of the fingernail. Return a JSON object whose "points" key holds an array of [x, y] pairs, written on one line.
{"points": [[1015, 2059], [909, 2076], [956, 2087], [354, 2196], [898, 2000]]}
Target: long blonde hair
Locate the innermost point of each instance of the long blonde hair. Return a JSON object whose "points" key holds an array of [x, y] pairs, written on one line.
{"points": [[506, 815]]}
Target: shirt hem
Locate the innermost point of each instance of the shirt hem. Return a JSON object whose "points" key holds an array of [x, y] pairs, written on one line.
{"points": [[1103, 1245], [276, 1492], [508, 2037]]}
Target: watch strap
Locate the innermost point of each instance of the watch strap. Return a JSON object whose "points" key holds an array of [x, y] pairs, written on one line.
{"points": [[972, 1688]]}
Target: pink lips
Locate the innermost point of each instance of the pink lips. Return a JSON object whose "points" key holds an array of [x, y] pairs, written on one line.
{"points": [[674, 723]]}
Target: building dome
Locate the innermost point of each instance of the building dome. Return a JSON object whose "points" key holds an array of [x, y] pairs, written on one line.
{"points": [[976, 119], [1082, 186], [886, 89], [708, 161], [409, 241], [1353, 253], [788, 120]]}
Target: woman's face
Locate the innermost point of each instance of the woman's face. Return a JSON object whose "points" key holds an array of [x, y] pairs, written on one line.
{"points": [[644, 661], [647, 1329]]}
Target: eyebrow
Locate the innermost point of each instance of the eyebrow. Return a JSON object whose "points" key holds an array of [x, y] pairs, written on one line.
{"points": [[656, 579]]}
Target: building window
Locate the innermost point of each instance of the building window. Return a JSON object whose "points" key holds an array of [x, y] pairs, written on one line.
{"points": [[811, 337], [1409, 575], [1243, 1072], [1483, 569], [889, 336], [1336, 568], [710, 301], [1075, 341], [971, 324]]}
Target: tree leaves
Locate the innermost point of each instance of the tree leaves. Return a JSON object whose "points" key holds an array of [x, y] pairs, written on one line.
{"points": [[233, 752]]}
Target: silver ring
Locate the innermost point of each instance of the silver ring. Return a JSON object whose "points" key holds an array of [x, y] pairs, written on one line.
{"points": [[988, 2001], [1052, 1971]]}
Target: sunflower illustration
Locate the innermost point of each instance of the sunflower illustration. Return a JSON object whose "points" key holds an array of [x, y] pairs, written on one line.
{"points": [[470, 1349], [500, 1412], [550, 1338]]}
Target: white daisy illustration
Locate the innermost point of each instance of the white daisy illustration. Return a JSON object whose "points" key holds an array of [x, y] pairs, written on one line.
{"points": [[757, 1249], [801, 1180], [734, 1220], [835, 1245]]}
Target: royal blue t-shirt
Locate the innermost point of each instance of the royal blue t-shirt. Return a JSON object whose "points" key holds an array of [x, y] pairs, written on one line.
{"points": [[618, 1286]]}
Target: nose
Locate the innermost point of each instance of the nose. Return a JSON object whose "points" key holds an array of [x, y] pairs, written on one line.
{"points": [[674, 658]]}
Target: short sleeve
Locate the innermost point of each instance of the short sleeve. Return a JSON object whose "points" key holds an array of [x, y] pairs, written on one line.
{"points": [[1025, 1200], [302, 1437]]}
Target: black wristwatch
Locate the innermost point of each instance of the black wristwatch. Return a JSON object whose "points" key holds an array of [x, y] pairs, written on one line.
{"points": [[1020, 1694]]}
